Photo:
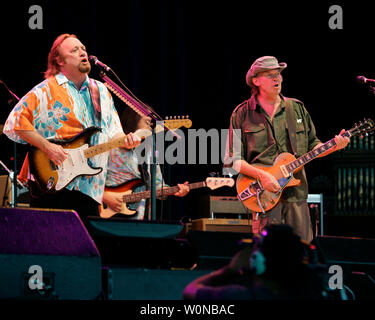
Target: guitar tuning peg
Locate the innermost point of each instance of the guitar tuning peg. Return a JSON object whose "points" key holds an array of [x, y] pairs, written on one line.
{"points": [[187, 117], [183, 117]]}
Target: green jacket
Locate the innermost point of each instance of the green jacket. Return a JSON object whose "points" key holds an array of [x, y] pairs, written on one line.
{"points": [[260, 140]]}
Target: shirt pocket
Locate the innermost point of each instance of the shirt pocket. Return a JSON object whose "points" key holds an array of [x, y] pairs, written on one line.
{"points": [[301, 137], [256, 137]]}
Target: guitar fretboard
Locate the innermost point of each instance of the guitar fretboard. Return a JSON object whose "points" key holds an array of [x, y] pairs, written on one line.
{"points": [[104, 147], [133, 103], [135, 197], [301, 161]]}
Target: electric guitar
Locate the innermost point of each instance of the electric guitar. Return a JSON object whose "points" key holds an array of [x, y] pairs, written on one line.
{"points": [[52, 178], [131, 200], [257, 199]]}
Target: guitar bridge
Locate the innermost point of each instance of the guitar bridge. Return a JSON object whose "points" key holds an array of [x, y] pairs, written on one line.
{"points": [[250, 191]]}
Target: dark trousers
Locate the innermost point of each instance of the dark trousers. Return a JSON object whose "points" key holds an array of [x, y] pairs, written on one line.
{"points": [[296, 214], [65, 199]]}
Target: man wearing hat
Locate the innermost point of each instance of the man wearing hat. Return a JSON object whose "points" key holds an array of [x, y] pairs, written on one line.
{"points": [[264, 135]]}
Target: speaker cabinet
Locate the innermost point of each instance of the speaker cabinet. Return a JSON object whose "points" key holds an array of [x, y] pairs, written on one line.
{"points": [[223, 225], [47, 254], [149, 284], [356, 258]]}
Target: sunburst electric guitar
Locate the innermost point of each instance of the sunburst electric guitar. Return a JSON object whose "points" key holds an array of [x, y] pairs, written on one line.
{"points": [[52, 178], [131, 200], [257, 199]]}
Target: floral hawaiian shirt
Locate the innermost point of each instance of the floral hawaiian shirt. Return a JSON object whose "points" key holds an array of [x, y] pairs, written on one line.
{"points": [[58, 110]]}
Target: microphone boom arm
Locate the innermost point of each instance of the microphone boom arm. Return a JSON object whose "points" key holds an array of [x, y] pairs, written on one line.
{"points": [[131, 102]]}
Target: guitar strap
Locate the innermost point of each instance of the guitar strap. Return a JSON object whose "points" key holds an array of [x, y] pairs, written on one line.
{"points": [[291, 121], [95, 98]]}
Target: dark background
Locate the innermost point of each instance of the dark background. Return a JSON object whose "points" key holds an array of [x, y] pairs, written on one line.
{"points": [[191, 58]]}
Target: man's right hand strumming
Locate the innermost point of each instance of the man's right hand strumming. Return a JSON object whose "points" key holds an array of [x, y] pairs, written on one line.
{"points": [[56, 153], [268, 181], [113, 201]]}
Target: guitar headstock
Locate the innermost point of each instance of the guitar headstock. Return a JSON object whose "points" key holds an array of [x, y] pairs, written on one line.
{"points": [[363, 128], [177, 122], [215, 183], [170, 124]]}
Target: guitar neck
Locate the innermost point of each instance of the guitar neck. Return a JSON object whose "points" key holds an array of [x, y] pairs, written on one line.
{"points": [[301, 161], [135, 197], [104, 147], [133, 103]]}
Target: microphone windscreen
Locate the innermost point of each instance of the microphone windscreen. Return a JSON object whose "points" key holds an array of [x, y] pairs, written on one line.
{"points": [[361, 79]]}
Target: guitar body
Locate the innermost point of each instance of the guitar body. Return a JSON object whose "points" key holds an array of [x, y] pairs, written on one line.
{"points": [[133, 192], [124, 189], [52, 178], [268, 199]]}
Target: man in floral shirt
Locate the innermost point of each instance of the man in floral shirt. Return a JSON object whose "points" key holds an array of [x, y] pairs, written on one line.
{"points": [[60, 107]]}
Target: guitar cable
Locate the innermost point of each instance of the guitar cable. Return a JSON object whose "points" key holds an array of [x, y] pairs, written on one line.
{"points": [[260, 205]]}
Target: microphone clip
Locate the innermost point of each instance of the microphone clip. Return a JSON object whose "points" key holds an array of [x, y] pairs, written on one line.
{"points": [[103, 67]]}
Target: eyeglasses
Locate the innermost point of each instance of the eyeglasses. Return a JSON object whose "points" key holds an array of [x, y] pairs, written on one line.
{"points": [[271, 75]]}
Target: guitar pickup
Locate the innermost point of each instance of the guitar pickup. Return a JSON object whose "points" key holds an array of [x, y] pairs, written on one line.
{"points": [[53, 166], [284, 171]]}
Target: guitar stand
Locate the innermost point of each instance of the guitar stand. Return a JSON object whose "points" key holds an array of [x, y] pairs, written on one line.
{"points": [[15, 99], [13, 179]]}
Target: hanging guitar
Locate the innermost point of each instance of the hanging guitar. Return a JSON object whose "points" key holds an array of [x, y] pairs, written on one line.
{"points": [[52, 178], [131, 200], [257, 199]]}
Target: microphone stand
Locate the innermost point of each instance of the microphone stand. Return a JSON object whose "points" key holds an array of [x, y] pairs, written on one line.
{"points": [[153, 173], [13, 175], [142, 110]]}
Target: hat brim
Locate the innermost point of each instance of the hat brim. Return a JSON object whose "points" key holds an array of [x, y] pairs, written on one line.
{"points": [[249, 75]]}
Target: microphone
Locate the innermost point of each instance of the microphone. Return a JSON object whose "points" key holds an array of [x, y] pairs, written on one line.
{"points": [[364, 80], [101, 65]]}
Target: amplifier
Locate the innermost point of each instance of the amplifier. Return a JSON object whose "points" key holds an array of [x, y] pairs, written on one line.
{"points": [[227, 205], [226, 225]]}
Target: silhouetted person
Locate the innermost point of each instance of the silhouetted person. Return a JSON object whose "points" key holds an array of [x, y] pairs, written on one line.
{"points": [[275, 267]]}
